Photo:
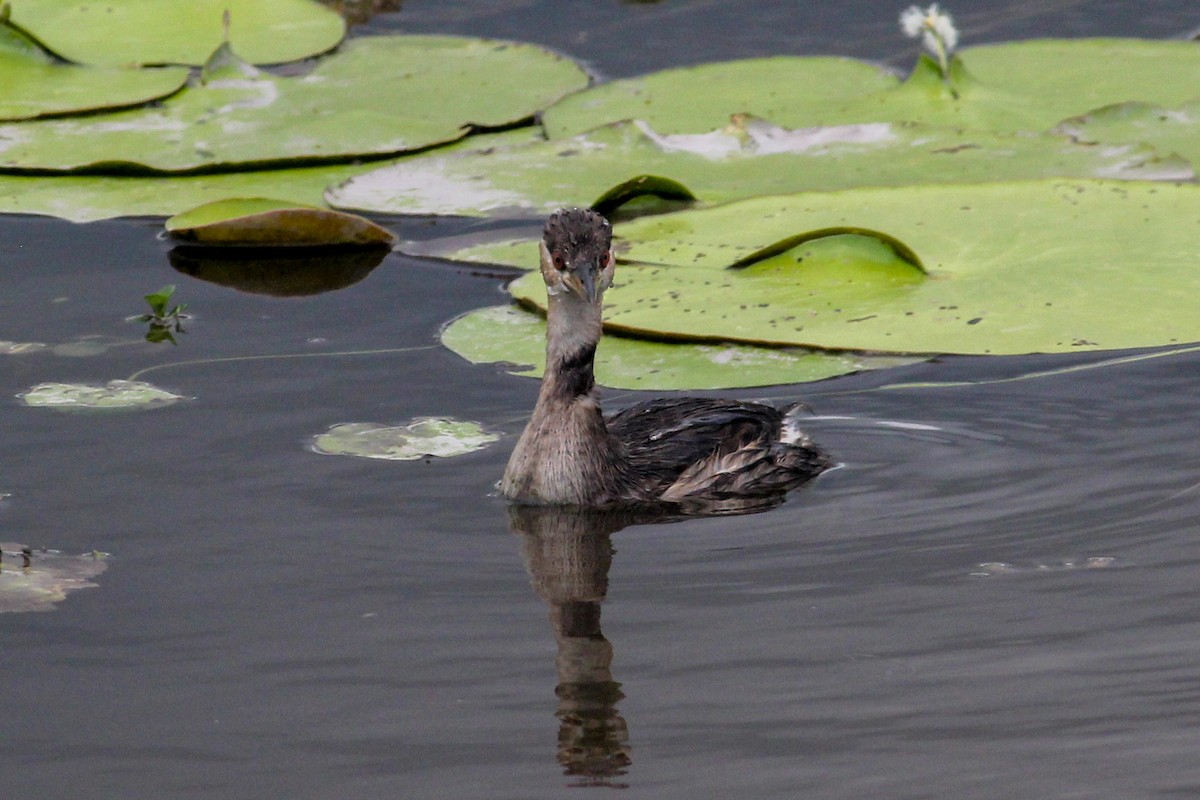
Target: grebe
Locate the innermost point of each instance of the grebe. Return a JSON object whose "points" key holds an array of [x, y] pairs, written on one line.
{"points": [[674, 451]]}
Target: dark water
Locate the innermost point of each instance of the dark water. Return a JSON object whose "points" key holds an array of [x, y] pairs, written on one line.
{"points": [[276, 623]]}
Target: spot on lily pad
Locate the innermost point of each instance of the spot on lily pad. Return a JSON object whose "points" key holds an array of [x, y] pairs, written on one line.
{"points": [[425, 436], [34, 580], [115, 395]]}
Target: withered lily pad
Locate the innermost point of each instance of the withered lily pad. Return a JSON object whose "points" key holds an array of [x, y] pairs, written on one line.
{"points": [[179, 31], [37, 85], [424, 437], [264, 222], [376, 96], [508, 334], [35, 580], [114, 396], [747, 158]]}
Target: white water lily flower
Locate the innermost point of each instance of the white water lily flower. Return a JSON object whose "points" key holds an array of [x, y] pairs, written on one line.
{"points": [[936, 29]]}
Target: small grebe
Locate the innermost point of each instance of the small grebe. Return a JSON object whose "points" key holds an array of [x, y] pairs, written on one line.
{"points": [[670, 451]]}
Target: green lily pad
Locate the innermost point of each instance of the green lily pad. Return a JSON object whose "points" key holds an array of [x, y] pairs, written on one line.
{"points": [[518, 337], [121, 32], [442, 437], [700, 98], [1004, 87], [1169, 130], [37, 85], [115, 395], [376, 96], [264, 222], [747, 158], [85, 198], [35, 580], [1022, 267]]}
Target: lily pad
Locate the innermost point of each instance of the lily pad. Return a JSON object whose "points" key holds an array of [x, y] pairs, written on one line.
{"points": [[1004, 87], [264, 222], [85, 198], [35, 580], [508, 334], [1169, 130], [376, 96], [37, 85], [747, 158], [179, 31], [113, 396], [700, 98], [424, 437], [1022, 267]]}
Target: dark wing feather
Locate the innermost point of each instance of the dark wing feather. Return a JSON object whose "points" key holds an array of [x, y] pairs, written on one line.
{"points": [[664, 437]]}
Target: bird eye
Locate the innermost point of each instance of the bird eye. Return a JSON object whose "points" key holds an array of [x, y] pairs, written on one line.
{"points": [[559, 264], [607, 256]]}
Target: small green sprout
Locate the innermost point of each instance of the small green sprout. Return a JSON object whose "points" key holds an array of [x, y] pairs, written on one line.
{"points": [[164, 322]]}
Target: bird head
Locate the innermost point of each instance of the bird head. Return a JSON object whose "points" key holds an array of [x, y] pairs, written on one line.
{"points": [[577, 254]]}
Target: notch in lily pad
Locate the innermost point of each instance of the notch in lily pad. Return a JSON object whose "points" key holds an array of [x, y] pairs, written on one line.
{"points": [[265, 222]]}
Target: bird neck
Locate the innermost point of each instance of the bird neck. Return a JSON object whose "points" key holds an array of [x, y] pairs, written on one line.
{"points": [[573, 330]]}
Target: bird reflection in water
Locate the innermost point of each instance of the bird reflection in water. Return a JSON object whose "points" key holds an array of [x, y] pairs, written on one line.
{"points": [[568, 552]]}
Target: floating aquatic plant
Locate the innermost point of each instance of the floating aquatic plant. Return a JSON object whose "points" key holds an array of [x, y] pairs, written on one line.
{"points": [[115, 395], [163, 322], [424, 437]]}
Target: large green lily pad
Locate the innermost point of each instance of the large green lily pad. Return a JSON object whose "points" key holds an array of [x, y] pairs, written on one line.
{"points": [[1169, 130], [85, 198], [700, 98], [1038, 266], [747, 158], [377, 96], [122, 32], [1004, 87], [512, 335], [36, 85], [267, 222]]}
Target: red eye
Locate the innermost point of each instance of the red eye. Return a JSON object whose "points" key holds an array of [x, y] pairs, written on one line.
{"points": [[559, 264], [608, 256]]}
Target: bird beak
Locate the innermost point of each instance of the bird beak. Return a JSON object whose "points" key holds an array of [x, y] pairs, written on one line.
{"points": [[587, 283]]}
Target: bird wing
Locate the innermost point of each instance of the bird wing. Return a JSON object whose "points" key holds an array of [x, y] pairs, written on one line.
{"points": [[663, 438]]}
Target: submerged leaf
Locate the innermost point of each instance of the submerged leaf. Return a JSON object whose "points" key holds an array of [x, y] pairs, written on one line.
{"points": [[423, 437], [264, 222], [115, 395], [49, 577], [511, 335]]}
